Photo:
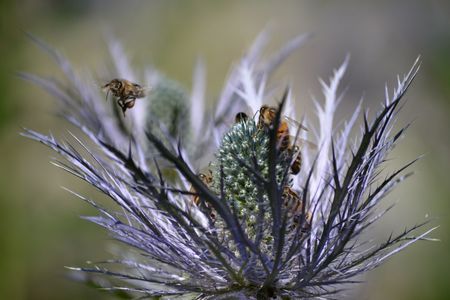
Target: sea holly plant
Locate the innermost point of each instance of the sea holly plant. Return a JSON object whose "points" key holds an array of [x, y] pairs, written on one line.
{"points": [[207, 205]]}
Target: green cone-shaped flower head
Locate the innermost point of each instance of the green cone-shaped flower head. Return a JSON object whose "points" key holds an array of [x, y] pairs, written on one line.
{"points": [[243, 153], [169, 104]]}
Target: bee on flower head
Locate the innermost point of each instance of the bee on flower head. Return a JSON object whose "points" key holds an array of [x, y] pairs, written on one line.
{"points": [[267, 118], [207, 179], [295, 209], [284, 139], [125, 91]]}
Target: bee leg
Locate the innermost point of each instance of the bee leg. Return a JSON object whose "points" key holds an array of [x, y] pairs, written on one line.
{"points": [[107, 95], [129, 103], [122, 105]]}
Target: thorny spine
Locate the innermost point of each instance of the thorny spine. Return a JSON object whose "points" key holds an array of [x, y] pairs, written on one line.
{"points": [[182, 255]]}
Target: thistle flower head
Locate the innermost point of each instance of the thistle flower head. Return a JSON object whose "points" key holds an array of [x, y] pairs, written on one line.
{"points": [[249, 227], [168, 102], [239, 172]]}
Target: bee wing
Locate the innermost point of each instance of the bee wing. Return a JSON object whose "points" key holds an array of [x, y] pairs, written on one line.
{"points": [[143, 91], [105, 88], [295, 123]]}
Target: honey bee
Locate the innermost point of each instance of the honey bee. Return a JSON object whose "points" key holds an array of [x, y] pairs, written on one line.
{"points": [[207, 179], [294, 205], [125, 91], [266, 119]]}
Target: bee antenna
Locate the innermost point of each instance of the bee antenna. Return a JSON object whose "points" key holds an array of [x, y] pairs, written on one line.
{"points": [[107, 94]]}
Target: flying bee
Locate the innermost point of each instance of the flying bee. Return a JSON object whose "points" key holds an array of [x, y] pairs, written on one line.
{"points": [[266, 119], [207, 179], [125, 91], [294, 206]]}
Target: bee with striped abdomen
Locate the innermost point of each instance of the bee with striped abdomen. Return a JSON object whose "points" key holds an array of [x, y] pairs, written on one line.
{"points": [[207, 179], [295, 210], [126, 91], [285, 140]]}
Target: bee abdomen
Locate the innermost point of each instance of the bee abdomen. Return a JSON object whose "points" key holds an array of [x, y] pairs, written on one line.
{"points": [[297, 163], [294, 206], [199, 202]]}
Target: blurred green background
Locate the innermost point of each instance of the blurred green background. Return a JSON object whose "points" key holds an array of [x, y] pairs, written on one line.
{"points": [[40, 231]]}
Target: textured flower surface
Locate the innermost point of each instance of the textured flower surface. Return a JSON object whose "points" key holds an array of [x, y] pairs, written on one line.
{"points": [[225, 207]]}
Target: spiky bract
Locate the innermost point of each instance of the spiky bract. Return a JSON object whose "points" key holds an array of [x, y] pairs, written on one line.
{"points": [[243, 255]]}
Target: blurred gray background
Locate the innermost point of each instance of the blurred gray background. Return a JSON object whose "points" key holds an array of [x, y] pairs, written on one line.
{"points": [[40, 229]]}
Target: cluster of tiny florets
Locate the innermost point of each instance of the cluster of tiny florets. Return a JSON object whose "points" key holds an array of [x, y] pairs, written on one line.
{"points": [[245, 148], [169, 105], [246, 249]]}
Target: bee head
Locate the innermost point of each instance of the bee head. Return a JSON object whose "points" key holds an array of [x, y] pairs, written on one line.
{"points": [[113, 85], [263, 109], [240, 117], [267, 114]]}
